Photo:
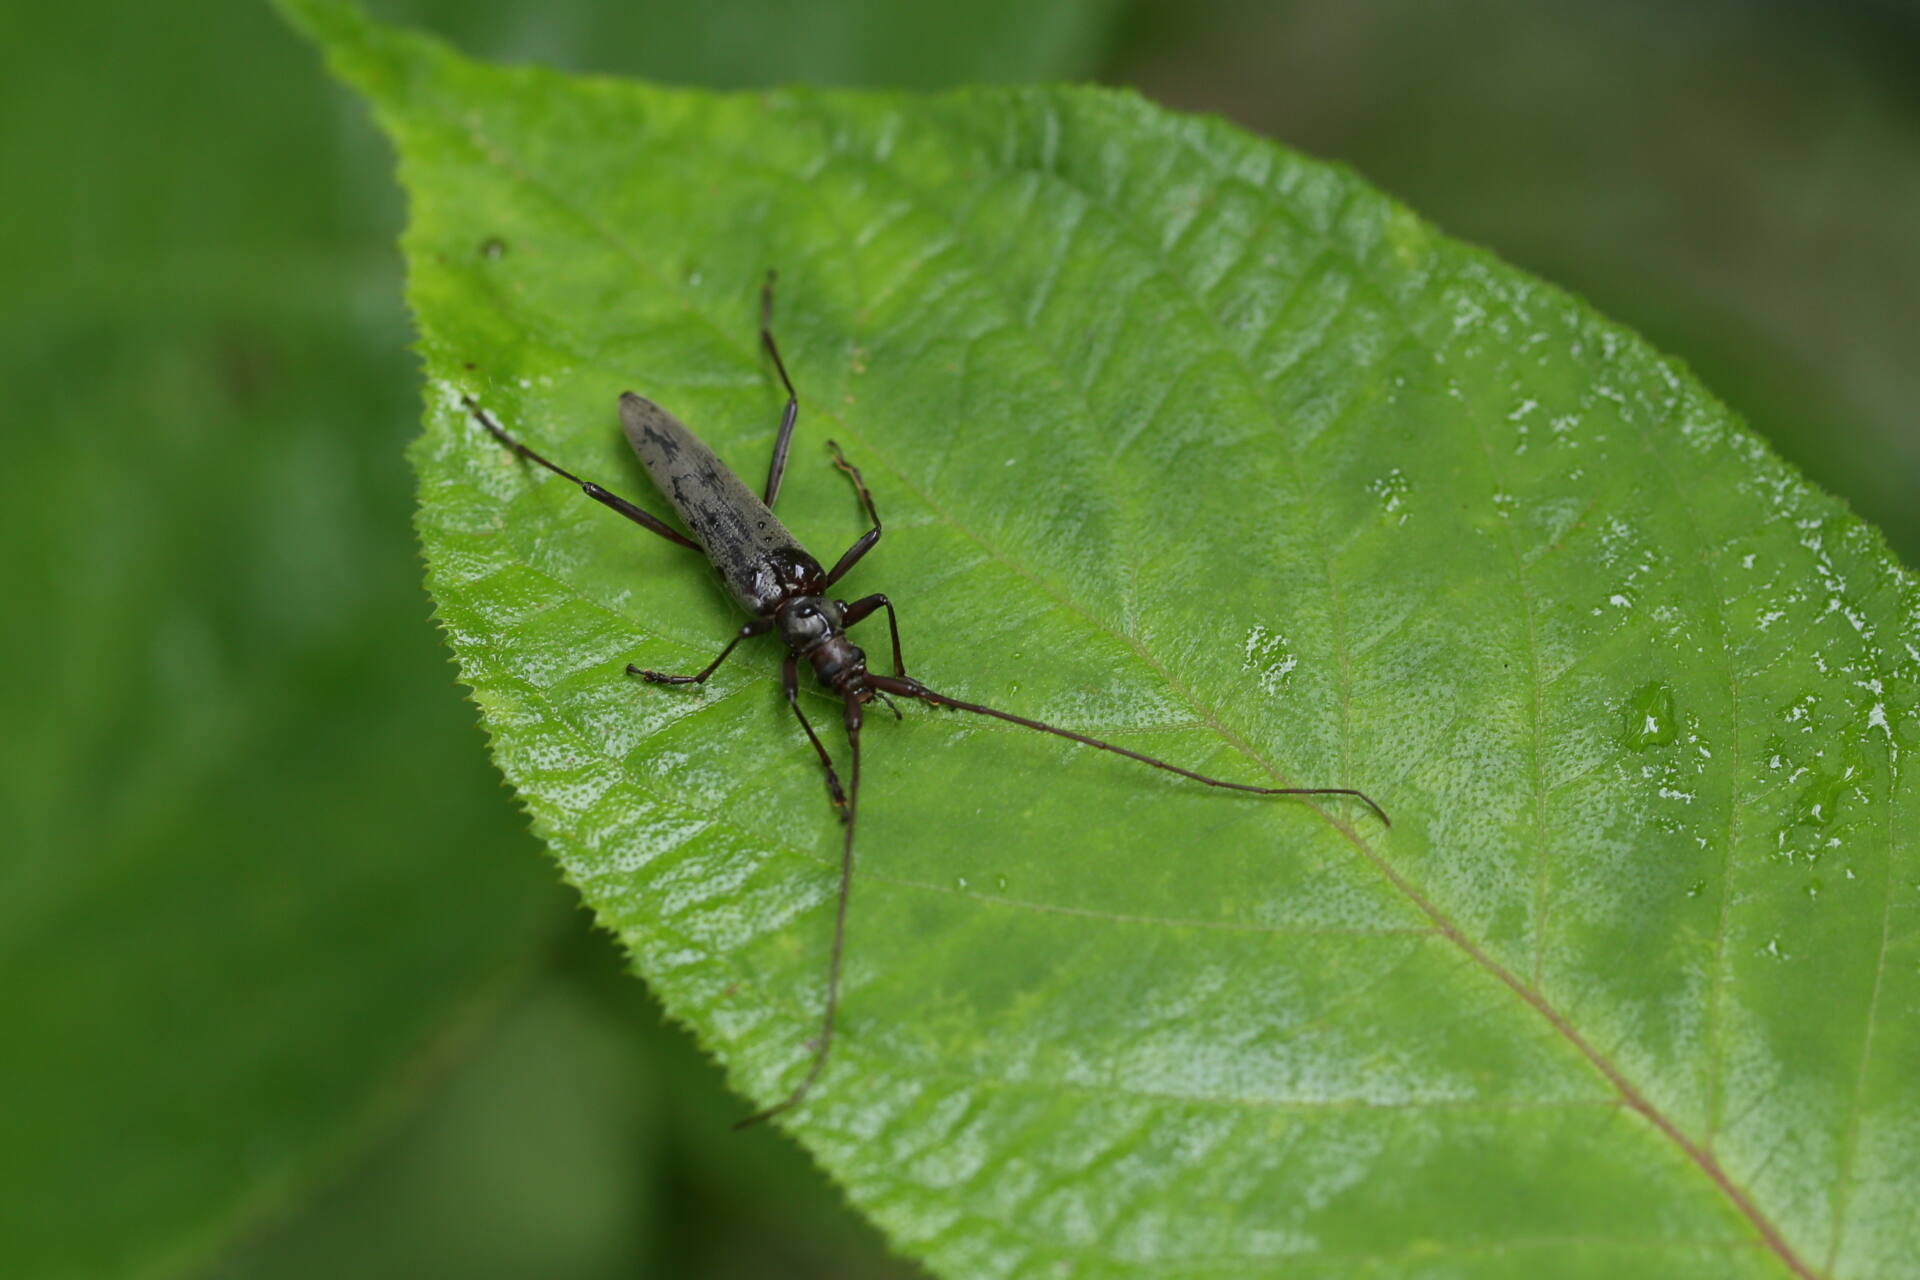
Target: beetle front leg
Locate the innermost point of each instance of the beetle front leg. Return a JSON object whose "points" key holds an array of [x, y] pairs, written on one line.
{"points": [[863, 608], [758, 627], [790, 683]]}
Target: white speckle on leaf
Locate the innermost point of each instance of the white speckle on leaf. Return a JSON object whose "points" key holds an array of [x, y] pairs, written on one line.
{"points": [[1266, 653], [1392, 489]]}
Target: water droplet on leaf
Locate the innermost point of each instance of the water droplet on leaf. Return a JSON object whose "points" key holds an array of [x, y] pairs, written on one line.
{"points": [[1824, 792], [1650, 718]]}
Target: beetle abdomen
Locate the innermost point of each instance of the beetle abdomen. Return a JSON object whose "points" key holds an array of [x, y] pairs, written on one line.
{"points": [[753, 552]]}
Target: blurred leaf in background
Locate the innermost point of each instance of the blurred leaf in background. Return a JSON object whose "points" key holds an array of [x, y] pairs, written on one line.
{"points": [[581, 1138], [734, 44], [253, 879], [259, 889]]}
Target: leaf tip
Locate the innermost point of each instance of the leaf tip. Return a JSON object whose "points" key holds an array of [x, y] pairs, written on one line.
{"points": [[370, 57], [328, 23]]}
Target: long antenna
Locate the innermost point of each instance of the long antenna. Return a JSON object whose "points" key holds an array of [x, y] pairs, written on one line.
{"points": [[825, 1040], [908, 687]]}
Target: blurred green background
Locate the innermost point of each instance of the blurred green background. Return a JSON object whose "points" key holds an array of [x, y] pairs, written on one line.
{"points": [[285, 988]]}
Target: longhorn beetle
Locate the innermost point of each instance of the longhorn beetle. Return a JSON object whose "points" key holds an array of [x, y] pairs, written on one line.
{"points": [[783, 589]]}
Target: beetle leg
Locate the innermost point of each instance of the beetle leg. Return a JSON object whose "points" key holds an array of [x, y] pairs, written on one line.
{"points": [[759, 626], [863, 607], [613, 501]]}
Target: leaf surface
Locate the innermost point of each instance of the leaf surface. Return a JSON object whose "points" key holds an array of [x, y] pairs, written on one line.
{"points": [[1187, 441]]}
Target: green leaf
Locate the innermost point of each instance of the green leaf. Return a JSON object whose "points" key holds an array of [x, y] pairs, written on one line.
{"points": [[1185, 440]]}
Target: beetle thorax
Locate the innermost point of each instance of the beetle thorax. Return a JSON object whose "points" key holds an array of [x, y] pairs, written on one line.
{"points": [[807, 621]]}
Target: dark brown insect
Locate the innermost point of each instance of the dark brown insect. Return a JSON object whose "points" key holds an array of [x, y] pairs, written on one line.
{"points": [[784, 589]]}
